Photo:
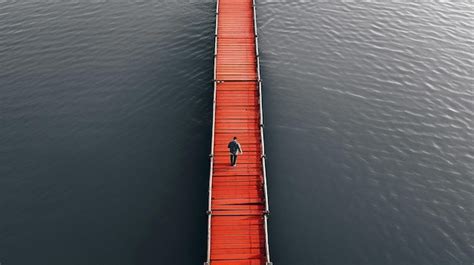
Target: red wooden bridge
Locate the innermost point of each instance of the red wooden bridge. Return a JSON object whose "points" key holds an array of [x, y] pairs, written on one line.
{"points": [[238, 201]]}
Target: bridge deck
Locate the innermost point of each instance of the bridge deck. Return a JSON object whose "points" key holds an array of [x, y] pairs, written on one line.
{"points": [[237, 220]]}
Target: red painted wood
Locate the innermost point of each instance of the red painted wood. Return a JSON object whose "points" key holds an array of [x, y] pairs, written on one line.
{"points": [[237, 203]]}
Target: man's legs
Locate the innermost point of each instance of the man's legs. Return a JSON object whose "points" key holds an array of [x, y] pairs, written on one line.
{"points": [[233, 159]]}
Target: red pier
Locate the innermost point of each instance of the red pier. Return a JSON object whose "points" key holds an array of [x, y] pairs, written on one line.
{"points": [[238, 201]]}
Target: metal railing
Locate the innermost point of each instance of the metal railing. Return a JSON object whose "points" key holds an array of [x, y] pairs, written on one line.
{"points": [[265, 188], [211, 156]]}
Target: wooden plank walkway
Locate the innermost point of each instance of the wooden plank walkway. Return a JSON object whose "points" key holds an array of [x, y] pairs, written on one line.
{"points": [[238, 204]]}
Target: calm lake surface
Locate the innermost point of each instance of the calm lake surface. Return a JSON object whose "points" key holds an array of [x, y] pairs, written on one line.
{"points": [[105, 128]]}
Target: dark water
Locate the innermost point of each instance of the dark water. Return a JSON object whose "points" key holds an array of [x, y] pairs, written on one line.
{"points": [[105, 111], [105, 130]]}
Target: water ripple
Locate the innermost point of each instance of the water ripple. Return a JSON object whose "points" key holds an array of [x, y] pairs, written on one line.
{"points": [[377, 101]]}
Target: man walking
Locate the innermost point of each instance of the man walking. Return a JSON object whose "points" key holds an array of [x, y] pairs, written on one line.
{"points": [[234, 148]]}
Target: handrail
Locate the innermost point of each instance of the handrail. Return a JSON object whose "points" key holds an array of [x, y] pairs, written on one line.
{"points": [[264, 170], [209, 211]]}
